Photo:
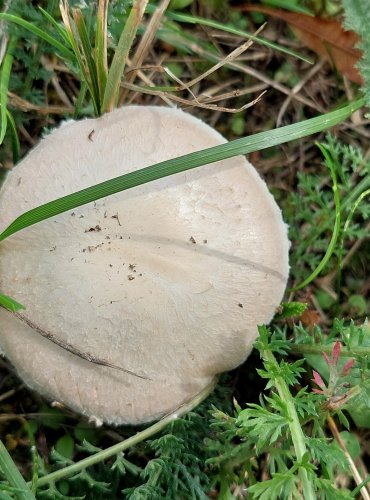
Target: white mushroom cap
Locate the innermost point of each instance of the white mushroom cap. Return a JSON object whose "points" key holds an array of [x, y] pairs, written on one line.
{"points": [[168, 280]]}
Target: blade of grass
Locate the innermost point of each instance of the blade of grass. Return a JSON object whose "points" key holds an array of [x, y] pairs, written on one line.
{"points": [[353, 209], [237, 147], [64, 51], [363, 195], [60, 30], [100, 52], [125, 42], [4, 85], [13, 475], [336, 230], [351, 197], [16, 147], [80, 100], [185, 18], [10, 304], [64, 10], [87, 52]]}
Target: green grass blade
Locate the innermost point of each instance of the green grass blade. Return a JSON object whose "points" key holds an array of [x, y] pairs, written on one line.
{"points": [[4, 85], [13, 475], [125, 42], [354, 207], [87, 55], [193, 160], [61, 31], [16, 147], [10, 304], [64, 51], [80, 100], [74, 42], [359, 487], [336, 230], [352, 211], [100, 53], [185, 18]]}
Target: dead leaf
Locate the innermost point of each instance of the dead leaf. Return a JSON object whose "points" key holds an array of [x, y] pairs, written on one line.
{"points": [[310, 318], [326, 37]]}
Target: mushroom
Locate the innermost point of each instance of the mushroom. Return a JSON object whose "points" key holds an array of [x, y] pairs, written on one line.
{"points": [[162, 286]]}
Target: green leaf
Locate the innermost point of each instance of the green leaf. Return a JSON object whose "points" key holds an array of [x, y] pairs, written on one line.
{"points": [[4, 85], [51, 417], [193, 160], [180, 4], [65, 446], [90, 434], [352, 444], [358, 304], [265, 426], [282, 485]]}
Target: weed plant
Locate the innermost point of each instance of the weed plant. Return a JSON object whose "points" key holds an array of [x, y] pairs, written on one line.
{"points": [[300, 436]]}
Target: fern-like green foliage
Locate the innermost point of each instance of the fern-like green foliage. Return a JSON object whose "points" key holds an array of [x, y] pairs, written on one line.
{"points": [[171, 466], [266, 430], [357, 14]]}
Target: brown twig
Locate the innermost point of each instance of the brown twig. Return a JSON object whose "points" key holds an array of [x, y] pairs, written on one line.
{"points": [[72, 349], [356, 475]]}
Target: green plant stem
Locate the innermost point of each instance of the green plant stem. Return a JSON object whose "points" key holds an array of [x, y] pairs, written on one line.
{"points": [[319, 349], [336, 231], [298, 437], [237, 147], [13, 476], [115, 74], [127, 443]]}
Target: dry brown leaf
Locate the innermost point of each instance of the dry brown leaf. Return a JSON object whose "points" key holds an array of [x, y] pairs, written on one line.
{"points": [[326, 37], [310, 318]]}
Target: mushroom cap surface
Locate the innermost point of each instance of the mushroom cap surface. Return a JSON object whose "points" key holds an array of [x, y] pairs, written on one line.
{"points": [[168, 280]]}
